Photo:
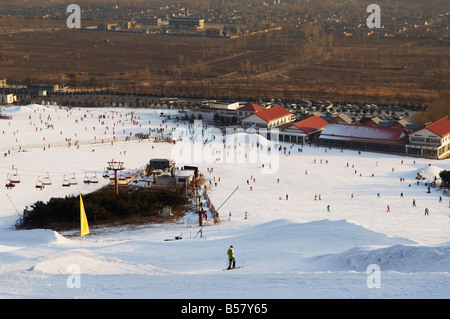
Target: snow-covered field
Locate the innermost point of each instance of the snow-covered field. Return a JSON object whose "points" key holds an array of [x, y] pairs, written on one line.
{"points": [[290, 245]]}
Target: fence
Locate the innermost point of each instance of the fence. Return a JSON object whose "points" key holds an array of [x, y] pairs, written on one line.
{"points": [[67, 143]]}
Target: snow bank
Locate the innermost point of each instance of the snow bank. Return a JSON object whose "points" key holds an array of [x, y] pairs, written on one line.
{"points": [[23, 108], [247, 138], [430, 172], [32, 237], [399, 258], [88, 263]]}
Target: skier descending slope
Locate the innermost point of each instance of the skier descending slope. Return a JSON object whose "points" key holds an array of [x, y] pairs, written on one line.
{"points": [[231, 260]]}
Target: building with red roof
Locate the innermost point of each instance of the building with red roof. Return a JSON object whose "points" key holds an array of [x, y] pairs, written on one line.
{"points": [[431, 140], [303, 131], [249, 109], [364, 137], [267, 118]]}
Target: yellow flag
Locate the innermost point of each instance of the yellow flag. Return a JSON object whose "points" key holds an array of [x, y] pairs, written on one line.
{"points": [[84, 227]]}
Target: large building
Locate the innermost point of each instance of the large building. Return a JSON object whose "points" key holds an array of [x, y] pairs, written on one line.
{"points": [[7, 98], [249, 109], [364, 137], [187, 23], [431, 140], [305, 131], [268, 118]]}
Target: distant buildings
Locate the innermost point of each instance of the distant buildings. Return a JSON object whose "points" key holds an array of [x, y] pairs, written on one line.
{"points": [[7, 98], [187, 23]]}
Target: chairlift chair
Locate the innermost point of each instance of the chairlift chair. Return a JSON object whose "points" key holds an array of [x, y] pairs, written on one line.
{"points": [[73, 180], [8, 183], [39, 183], [65, 182], [93, 179], [47, 180], [15, 178]]}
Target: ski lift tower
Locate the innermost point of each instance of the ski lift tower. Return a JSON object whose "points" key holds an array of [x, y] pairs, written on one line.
{"points": [[115, 166]]}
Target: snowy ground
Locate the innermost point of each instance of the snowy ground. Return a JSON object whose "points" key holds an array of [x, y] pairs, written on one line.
{"points": [[290, 248]]}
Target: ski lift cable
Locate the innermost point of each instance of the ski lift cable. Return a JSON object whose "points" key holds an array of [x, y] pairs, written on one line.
{"points": [[200, 230]]}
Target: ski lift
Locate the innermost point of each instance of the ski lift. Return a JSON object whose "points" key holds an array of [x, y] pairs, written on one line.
{"points": [[93, 179], [46, 180], [65, 182], [8, 183], [15, 178], [86, 179], [73, 180], [39, 183]]}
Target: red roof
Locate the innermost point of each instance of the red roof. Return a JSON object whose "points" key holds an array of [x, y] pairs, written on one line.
{"points": [[272, 113], [251, 107], [440, 127], [311, 124]]}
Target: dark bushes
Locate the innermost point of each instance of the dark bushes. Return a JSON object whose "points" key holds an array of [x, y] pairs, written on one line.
{"points": [[102, 207]]}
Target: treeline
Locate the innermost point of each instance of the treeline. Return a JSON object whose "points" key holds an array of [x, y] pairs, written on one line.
{"points": [[103, 207], [436, 110]]}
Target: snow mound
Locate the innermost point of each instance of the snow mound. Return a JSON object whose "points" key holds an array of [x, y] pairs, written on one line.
{"points": [[430, 172], [314, 237], [88, 263], [32, 237], [21, 109], [399, 258], [247, 138]]}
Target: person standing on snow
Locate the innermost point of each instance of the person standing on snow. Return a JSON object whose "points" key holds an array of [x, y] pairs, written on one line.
{"points": [[231, 260]]}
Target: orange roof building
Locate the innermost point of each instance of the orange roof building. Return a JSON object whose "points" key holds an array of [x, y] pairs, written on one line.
{"points": [[249, 109], [267, 118], [303, 131], [431, 140]]}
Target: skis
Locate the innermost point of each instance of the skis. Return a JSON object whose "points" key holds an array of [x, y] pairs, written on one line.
{"points": [[233, 268]]}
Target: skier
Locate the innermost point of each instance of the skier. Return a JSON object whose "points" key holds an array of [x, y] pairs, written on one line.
{"points": [[231, 260], [414, 203], [328, 208], [388, 209], [427, 211]]}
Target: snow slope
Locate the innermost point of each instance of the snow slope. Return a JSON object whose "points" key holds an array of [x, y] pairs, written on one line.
{"points": [[290, 247]]}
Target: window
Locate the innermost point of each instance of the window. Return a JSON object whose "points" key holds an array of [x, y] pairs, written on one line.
{"points": [[433, 141], [417, 139]]}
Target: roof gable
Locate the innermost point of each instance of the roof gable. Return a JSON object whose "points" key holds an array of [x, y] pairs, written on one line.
{"points": [[273, 113], [310, 124], [440, 127], [251, 107]]}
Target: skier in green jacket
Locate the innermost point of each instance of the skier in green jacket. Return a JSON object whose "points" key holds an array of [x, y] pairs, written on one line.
{"points": [[231, 260]]}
